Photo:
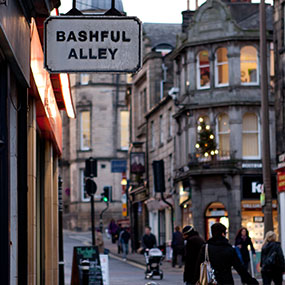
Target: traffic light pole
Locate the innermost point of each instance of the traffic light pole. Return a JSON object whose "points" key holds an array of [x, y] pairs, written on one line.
{"points": [[101, 217], [92, 220]]}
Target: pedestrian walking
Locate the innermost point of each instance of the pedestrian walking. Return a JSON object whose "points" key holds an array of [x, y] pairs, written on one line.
{"points": [[177, 245], [117, 236], [222, 258], [193, 245], [99, 241], [124, 241], [148, 239], [113, 227], [272, 260], [242, 241]]}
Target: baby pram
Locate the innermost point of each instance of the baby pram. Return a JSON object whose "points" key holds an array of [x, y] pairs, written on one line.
{"points": [[153, 259]]}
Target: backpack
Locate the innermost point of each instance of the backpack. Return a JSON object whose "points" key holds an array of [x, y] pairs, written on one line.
{"points": [[207, 275], [271, 261]]}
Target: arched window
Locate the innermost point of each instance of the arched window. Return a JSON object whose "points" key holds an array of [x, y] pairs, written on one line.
{"points": [[203, 70], [221, 67], [250, 136], [249, 66], [224, 135]]}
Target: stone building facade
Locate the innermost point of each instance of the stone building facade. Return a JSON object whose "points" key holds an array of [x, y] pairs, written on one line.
{"points": [[100, 131], [152, 131], [217, 74]]}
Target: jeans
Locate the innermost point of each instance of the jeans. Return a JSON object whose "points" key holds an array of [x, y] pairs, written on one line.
{"points": [[125, 247]]}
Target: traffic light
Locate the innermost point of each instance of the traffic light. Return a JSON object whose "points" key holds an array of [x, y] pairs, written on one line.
{"points": [[90, 186], [107, 193]]}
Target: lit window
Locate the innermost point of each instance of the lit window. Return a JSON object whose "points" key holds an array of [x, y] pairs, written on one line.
{"points": [[152, 134], [84, 196], [248, 66], [161, 129], [250, 136], [84, 79], [85, 142], [221, 67], [224, 135], [124, 130], [203, 70]]}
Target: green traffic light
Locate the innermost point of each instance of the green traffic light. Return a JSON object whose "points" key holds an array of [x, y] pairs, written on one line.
{"points": [[105, 199]]}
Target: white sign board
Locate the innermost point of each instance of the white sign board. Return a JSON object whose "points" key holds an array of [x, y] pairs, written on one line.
{"points": [[104, 261], [92, 44]]}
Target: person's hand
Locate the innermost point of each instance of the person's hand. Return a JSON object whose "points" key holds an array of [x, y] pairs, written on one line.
{"points": [[239, 245]]}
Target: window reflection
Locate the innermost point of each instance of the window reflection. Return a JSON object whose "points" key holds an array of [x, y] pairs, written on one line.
{"points": [[203, 70], [248, 65], [224, 135], [222, 68], [85, 142]]}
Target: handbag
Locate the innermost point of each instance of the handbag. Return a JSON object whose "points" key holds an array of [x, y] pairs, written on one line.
{"points": [[207, 275]]}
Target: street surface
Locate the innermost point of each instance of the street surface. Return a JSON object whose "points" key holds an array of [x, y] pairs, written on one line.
{"points": [[121, 272]]}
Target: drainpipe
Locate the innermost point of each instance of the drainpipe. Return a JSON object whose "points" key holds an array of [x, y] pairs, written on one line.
{"points": [[172, 211], [164, 69]]}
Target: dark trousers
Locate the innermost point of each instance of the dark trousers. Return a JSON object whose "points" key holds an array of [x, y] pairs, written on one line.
{"points": [[275, 276], [176, 257]]}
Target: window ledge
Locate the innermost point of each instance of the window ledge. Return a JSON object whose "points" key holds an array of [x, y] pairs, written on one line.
{"points": [[84, 150], [169, 139], [249, 84], [161, 145], [152, 150]]}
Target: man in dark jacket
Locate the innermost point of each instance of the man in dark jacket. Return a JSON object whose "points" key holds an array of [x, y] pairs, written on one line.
{"points": [[148, 239], [223, 257], [192, 249], [177, 245]]}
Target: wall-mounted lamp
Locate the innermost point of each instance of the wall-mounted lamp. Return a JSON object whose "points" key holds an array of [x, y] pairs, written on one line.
{"points": [[124, 182]]}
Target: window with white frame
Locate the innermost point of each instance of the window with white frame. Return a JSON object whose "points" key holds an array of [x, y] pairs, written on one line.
{"points": [[161, 138], [84, 78], [221, 67], [85, 129], [152, 134], [250, 136], [169, 122], [203, 70], [224, 135], [84, 196], [124, 129], [249, 72]]}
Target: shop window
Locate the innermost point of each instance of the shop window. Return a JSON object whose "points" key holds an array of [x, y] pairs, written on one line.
{"points": [[84, 196], [152, 133], [84, 78], [221, 68], [250, 136], [249, 73], [203, 70], [224, 135], [124, 130], [85, 129]]}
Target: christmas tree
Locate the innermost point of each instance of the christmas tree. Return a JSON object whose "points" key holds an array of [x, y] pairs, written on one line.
{"points": [[206, 144]]}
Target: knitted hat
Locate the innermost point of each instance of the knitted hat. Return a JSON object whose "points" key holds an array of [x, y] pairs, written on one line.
{"points": [[186, 230]]}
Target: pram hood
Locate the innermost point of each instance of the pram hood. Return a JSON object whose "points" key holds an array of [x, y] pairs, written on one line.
{"points": [[155, 252]]}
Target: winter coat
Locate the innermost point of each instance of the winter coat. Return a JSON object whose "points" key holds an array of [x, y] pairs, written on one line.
{"points": [[177, 243], [148, 241], [222, 258], [125, 236], [113, 228], [272, 258], [192, 249], [243, 250]]}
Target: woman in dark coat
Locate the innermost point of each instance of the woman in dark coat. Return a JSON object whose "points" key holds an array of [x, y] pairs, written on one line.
{"points": [[272, 260], [243, 241]]}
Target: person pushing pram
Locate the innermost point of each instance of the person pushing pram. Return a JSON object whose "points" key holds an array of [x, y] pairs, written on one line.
{"points": [[153, 255]]}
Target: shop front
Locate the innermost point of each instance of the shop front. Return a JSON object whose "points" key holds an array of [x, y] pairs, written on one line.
{"points": [[251, 209]]}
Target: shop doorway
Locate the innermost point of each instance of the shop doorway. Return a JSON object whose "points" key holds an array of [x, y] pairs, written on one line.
{"points": [[215, 213]]}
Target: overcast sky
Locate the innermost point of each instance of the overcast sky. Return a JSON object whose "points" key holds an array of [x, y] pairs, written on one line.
{"points": [[157, 11]]}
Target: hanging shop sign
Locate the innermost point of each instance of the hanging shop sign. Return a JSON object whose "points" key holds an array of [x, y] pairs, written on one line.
{"points": [[92, 44], [281, 181]]}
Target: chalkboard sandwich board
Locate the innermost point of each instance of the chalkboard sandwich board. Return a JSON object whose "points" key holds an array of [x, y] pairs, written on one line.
{"points": [[86, 267]]}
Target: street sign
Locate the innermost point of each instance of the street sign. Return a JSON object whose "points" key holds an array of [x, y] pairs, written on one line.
{"points": [[92, 44]]}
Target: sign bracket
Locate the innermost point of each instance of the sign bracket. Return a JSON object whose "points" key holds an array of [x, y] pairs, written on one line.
{"points": [[74, 11], [113, 11]]}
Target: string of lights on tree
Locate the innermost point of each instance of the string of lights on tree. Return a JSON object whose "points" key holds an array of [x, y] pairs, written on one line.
{"points": [[206, 145]]}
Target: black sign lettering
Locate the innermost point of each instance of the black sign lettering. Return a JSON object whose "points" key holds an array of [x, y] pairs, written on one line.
{"points": [[81, 54], [115, 38], [60, 36], [102, 53], [93, 35], [72, 54], [91, 56], [112, 52], [82, 36], [72, 37], [125, 39], [104, 35]]}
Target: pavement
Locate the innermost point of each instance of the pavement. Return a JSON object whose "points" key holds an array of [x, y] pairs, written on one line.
{"points": [[123, 272]]}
